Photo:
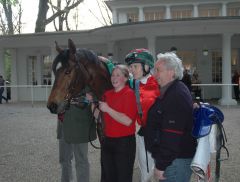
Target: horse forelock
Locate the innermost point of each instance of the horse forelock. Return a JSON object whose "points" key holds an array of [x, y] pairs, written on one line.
{"points": [[62, 58]]}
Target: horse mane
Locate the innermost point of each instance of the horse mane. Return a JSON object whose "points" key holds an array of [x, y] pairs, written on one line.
{"points": [[83, 53], [96, 68]]}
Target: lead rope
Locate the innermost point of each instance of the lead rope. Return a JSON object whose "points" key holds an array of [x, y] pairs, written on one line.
{"points": [[139, 107]]}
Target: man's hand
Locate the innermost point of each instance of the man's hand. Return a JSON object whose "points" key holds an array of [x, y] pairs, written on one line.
{"points": [[89, 97], [159, 174]]}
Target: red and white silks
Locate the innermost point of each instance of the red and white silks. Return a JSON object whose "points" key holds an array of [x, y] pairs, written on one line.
{"points": [[201, 161], [146, 174]]}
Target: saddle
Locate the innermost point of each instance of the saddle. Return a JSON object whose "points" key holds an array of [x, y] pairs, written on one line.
{"points": [[204, 117]]}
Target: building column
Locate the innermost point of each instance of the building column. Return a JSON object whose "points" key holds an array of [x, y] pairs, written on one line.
{"points": [[195, 10], [141, 14], [114, 16], [226, 71], [39, 70], [224, 9], [2, 71], [14, 76], [168, 12], [152, 45]]}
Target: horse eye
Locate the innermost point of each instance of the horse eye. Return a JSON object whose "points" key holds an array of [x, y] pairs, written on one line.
{"points": [[67, 72]]}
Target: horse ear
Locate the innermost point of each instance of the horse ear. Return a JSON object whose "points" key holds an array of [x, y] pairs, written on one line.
{"points": [[58, 49], [71, 46]]}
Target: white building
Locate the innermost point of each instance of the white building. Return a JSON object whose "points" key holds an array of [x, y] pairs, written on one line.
{"points": [[205, 33]]}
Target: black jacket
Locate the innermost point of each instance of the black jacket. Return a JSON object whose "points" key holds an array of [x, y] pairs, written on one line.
{"points": [[169, 126]]}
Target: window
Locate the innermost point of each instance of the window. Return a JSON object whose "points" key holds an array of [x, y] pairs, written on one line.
{"points": [[216, 67], [31, 70], [209, 12], [188, 59], [187, 13], [158, 15], [132, 17], [235, 11], [47, 70]]}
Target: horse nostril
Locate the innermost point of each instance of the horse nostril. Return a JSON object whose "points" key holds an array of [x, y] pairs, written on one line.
{"points": [[53, 108]]}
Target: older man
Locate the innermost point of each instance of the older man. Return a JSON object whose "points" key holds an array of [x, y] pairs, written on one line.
{"points": [[170, 121]]}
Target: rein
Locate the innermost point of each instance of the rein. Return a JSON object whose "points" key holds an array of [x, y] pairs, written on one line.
{"points": [[100, 127], [77, 101]]}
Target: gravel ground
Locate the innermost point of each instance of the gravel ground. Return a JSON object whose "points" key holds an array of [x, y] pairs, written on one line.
{"points": [[29, 148]]}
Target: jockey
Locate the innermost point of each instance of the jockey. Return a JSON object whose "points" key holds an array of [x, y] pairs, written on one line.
{"points": [[140, 62]]}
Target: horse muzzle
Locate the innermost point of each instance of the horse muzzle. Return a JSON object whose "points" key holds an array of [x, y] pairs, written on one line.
{"points": [[53, 107], [58, 108]]}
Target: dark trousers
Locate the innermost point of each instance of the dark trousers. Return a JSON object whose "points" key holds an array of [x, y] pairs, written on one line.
{"points": [[1, 96], [117, 157], [236, 92]]}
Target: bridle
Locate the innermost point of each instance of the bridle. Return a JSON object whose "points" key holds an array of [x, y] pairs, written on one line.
{"points": [[71, 97]]}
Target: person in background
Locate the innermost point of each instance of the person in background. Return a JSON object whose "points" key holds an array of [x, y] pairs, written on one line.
{"points": [[140, 62], [75, 129], [235, 80], [2, 82], [196, 89], [186, 79], [119, 114], [170, 121]]}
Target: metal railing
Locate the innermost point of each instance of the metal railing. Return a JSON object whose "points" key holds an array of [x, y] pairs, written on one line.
{"points": [[35, 91], [229, 87]]}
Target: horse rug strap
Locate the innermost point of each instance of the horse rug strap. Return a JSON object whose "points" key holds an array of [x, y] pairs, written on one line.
{"points": [[137, 94]]}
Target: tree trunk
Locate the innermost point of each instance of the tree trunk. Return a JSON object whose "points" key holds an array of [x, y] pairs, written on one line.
{"points": [[8, 13], [42, 15]]}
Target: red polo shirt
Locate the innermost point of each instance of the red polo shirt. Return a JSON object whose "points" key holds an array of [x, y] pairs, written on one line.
{"points": [[123, 101]]}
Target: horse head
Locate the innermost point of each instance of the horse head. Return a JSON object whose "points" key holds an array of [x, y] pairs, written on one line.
{"points": [[79, 68]]}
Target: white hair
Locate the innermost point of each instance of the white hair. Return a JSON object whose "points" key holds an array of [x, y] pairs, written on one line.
{"points": [[172, 62]]}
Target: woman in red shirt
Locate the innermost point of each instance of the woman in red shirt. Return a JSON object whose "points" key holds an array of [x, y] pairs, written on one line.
{"points": [[119, 112]]}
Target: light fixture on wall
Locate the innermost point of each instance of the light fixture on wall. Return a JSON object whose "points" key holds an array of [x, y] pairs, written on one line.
{"points": [[205, 52]]}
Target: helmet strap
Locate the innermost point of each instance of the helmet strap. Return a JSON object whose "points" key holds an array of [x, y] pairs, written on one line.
{"points": [[146, 69]]}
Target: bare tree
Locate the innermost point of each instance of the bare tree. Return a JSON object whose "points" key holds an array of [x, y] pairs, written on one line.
{"points": [[10, 23], [58, 12], [103, 20], [103, 8]]}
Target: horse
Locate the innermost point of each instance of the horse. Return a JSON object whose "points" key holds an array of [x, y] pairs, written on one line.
{"points": [[79, 68]]}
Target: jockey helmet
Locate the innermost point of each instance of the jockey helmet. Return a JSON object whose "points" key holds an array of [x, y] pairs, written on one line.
{"points": [[140, 56]]}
